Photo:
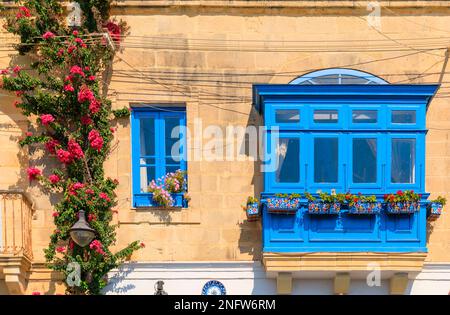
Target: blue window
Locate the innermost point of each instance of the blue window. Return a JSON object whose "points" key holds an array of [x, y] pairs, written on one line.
{"points": [[355, 132], [158, 145]]}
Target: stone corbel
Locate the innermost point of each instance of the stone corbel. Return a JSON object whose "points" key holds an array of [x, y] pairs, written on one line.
{"points": [[15, 270]]}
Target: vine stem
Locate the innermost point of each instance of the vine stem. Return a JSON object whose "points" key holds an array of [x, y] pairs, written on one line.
{"points": [[87, 170]]}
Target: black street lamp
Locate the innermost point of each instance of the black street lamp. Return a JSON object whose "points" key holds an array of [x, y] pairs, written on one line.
{"points": [[81, 233]]}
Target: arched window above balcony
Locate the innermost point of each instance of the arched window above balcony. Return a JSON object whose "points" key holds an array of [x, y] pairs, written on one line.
{"points": [[338, 76]]}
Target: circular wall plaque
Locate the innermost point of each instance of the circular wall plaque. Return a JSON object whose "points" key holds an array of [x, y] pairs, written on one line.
{"points": [[214, 287]]}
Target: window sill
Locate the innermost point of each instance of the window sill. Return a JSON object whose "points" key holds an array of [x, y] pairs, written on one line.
{"points": [[145, 200]]}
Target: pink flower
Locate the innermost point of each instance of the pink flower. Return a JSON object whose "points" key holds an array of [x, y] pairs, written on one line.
{"points": [[19, 93], [46, 119], [61, 249], [78, 40], [75, 33], [5, 71], [77, 186], [86, 120], [91, 78], [92, 217], [60, 52], [25, 11], [71, 244], [68, 78], [95, 140], [104, 196], [77, 70], [36, 293], [97, 246], [33, 173], [16, 69], [51, 145], [75, 149], [54, 178], [85, 94], [68, 88], [28, 134], [17, 103], [142, 245], [55, 214], [48, 35], [89, 191], [94, 106], [64, 156], [71, 49]]}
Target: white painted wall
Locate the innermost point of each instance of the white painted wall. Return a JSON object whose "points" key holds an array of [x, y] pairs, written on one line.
{"points": [[248, 278]]}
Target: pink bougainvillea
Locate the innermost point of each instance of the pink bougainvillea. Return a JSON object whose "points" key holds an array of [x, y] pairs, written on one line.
{"points": [[95, 140], [55, 214], [33, 173], [61, 249], [77, 70], [85, 94], [64, 156], [54, 179], [75, 149], [68, 88], [51, 145], [104, 196], [47, 119], [94, 106], [86, 120], [97, 246], [92, 217], [48, 35]]}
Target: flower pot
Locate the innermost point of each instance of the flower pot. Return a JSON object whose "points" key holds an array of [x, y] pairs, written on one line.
{"points": [[319, 207], [252, 211], [365, 208], [403, 207], [280, 205], [434, 210], [146, 200]]}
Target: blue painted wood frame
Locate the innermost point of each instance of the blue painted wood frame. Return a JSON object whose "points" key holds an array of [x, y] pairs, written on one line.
{"points": [[160, 155], [344, 232], [420, 117]]}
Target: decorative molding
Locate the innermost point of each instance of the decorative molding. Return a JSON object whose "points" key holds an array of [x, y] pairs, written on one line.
{"points": [[343, 262], [398, 284]]}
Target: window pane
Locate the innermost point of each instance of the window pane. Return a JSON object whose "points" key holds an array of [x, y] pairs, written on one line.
{"points": [[325, 116], [325, 160], [147, 161], [147, 175], [404, 116], [364, 116], [364, 160], [403, 161], [287, 116], [288, 153], [147, 136], [170, 124]]}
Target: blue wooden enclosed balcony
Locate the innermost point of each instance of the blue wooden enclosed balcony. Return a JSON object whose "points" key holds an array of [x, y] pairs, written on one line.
{"points": [[356, 133]]}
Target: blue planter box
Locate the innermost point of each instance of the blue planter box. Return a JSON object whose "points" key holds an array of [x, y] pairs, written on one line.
{"points": [[319, 207], [403, 207], [146, 200], [365, 208], [252, 211], [282, 205], [434, 210]]}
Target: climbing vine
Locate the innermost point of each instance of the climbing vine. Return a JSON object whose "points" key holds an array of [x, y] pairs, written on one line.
{"points": [[61, 91]]}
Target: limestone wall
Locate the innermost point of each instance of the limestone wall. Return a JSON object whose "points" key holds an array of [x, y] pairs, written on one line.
{"points": [[207, 58]]}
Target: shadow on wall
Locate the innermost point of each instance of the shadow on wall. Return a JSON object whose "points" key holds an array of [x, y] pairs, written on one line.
{"points": [[117, 283], [251, 232]]}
